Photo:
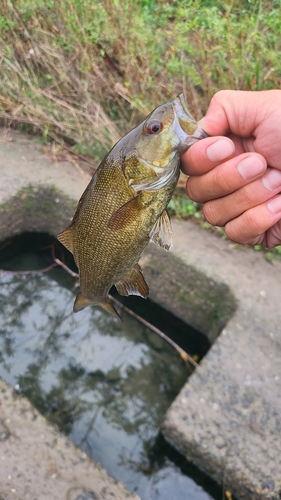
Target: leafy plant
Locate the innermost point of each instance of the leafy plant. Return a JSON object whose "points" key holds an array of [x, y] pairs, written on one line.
{"points": [[181, 206]]}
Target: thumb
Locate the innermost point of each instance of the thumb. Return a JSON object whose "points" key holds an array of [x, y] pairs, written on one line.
{"points": [[235, 112]]}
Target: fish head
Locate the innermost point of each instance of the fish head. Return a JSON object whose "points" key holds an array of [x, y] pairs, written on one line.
{"points": [[159, 141], [167, 132]]}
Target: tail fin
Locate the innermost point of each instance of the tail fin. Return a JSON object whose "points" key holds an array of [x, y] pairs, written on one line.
{"points": [[80, 303]]}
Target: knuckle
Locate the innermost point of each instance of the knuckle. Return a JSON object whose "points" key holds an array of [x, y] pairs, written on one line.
{"points": [[245, 229], [244, 199], [212, 214], [253, 222], [222, 180], [192, 192], [233, 232], [190, 159], [221, 97], [273, 235]]}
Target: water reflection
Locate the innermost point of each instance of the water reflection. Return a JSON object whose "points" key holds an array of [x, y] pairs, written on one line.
{"points": [[105, 383]]}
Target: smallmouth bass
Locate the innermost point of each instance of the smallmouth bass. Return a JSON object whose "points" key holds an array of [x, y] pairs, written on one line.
{"points": [[124, 205]]}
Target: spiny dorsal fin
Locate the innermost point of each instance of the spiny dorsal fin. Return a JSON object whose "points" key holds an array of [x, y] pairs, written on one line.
{"points": [[133, 284], [161, 233], [66, 238]]}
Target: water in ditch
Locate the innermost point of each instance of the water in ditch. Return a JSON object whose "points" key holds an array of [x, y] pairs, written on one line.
{"points": [[105, 383]]}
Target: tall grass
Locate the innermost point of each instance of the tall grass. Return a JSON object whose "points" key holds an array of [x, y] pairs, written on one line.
{"points": [[86, 71]]}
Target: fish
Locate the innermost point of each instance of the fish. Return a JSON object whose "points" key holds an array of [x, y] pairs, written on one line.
{"points": [[124, 205]]}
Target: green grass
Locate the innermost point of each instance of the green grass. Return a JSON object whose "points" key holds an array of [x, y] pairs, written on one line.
{"points": [[86, 71], [183, 207], [271, 254]]}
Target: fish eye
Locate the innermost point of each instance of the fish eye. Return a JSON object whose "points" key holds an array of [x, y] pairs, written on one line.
{"points": [[154, 127]]}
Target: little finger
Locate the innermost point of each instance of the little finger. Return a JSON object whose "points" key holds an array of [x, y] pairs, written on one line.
{"points": [[250, 227]]}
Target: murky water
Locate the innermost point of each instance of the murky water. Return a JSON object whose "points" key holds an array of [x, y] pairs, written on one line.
{"points": [[105, 383]]}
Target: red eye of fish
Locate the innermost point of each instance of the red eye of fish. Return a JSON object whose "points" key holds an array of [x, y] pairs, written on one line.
{"points": [[154, 127]]}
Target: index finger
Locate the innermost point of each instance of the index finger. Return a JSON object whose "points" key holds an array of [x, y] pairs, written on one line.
{"points": [[206, 154]]}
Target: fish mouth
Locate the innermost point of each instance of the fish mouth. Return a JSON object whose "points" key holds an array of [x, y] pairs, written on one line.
{"points": [[187, 128], [183, 103]]}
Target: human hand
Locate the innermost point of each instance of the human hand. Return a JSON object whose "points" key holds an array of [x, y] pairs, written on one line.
{"points": [[238, 176]]}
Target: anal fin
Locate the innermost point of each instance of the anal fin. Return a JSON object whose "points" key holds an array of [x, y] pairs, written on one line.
{"points": [[161, 233], [133, 284]]}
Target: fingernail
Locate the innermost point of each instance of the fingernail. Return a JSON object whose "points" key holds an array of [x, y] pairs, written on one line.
{"points": [[275, 205], [250, 167], [272, 179], [220, 150]]}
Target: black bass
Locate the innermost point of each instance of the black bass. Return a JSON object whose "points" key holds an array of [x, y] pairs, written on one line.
{"points": [[124, 205]]}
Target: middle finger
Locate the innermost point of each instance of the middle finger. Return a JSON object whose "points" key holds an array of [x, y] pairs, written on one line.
{"points": [[226, 178]]}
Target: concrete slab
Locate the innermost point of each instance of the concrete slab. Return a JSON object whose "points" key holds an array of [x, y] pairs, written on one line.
{"points": [[22, 163], [227, 419], [36, 462]]}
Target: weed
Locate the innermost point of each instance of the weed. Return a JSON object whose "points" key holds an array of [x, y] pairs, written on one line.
{"points": [[84, 72], [183, 207], [87, 71]]}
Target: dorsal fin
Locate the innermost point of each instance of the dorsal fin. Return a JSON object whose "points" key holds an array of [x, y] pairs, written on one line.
{"points": [[66, 238]]}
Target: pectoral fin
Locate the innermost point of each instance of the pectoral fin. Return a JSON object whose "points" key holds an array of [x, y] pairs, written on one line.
{"points": [[126, 214], [161, 233], [133, 284]]}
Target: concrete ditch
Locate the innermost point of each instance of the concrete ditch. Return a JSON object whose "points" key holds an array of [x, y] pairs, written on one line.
{"points": [[227, 418]]}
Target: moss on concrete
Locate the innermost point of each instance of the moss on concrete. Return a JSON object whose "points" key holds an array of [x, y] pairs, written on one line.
{"points": [[35, 208], [190, 295]]}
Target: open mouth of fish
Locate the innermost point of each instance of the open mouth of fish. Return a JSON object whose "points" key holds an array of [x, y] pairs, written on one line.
{"points": [[184, 124]]}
